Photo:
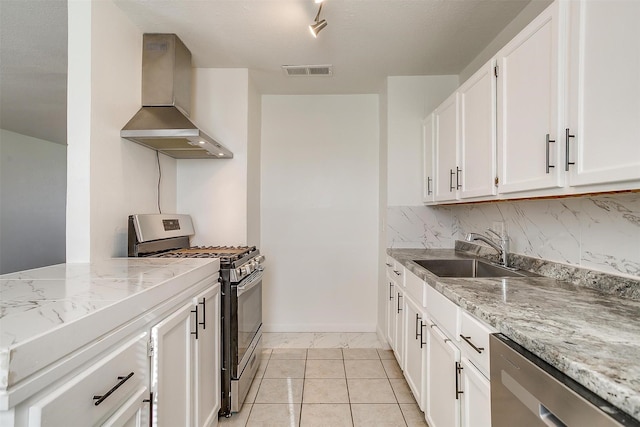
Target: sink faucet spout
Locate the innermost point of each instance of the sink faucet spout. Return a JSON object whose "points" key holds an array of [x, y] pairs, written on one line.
{"points": [[502, 248]]}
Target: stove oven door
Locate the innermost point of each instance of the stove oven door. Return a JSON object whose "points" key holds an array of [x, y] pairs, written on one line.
{"points": [[249, 320]]}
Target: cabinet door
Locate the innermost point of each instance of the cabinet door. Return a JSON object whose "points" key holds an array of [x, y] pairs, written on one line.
{"points": [[446, 137], [528, 69], [476, 396], [478, 133], [428, 133], [604, 98], [443, 401], [416, 349], [172, 369], [391, 313], [207, 358], [399, 324]]}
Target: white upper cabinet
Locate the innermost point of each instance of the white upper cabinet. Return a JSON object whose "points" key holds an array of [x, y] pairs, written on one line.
{"points": [[478, 133], [603, 105], [428, 140], [446, 143], [528, 71]]}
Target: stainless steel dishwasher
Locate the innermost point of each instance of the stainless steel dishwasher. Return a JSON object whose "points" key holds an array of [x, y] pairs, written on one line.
{"points": [[526, 391]]}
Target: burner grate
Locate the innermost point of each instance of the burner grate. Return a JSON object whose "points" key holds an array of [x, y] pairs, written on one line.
{"points": [[226, 254]]}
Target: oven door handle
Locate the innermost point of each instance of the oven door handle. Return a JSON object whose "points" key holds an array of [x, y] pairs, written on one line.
{"points": [[252, 281]]}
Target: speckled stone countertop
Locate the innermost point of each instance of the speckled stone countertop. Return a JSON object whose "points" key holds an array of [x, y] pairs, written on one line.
{"points": [[589, 335], [47, 313]]}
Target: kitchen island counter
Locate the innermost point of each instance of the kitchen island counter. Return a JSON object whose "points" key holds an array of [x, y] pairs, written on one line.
{"points": [[591, 336], [46, 314]]}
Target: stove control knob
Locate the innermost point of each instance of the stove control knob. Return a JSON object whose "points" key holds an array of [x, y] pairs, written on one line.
{"points": [[238, 272], [247, 269]]}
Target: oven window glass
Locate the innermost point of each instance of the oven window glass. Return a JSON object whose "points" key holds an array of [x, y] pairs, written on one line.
{"points": [[249, 317]]}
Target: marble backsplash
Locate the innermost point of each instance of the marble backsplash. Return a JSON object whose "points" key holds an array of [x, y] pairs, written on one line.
{"points": [[600, 233]]}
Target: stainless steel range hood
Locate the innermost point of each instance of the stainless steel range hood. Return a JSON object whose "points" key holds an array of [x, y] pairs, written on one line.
{"points": [[163, 121]]}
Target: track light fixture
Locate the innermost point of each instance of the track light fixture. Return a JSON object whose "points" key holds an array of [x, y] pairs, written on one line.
{"points": [[318, 24]]}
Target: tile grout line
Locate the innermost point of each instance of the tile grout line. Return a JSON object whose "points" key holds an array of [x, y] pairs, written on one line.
{"points": [[346, 381]]}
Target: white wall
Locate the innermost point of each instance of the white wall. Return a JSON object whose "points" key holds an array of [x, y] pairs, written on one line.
{"points": [[409, 100], [108, 177], [33, 181], [600, 233], [382, 210], [214, 192], [320, 212], [253, 165]]}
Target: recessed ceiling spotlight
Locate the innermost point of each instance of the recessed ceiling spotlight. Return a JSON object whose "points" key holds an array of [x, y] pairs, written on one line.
{"points": [[318, 24]]}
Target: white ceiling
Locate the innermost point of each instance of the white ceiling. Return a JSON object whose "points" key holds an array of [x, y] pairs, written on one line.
{"points": [[365, 41]]}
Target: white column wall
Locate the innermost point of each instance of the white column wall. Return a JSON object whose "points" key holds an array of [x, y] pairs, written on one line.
{"points": [[320, 212], [108, 177]]}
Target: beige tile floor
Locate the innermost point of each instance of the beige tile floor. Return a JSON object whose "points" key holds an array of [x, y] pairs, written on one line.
{"points": [[332, 387]]}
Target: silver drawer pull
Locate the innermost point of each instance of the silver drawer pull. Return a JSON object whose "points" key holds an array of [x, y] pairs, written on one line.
{"points": [[468, 341], [102, 398]]}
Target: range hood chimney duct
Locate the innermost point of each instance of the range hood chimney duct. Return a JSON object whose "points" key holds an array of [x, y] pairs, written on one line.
{"points": [[163, 121]]}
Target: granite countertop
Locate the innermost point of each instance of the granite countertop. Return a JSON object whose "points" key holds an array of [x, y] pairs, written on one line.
{"points": [[591, 336], [73, 304]]}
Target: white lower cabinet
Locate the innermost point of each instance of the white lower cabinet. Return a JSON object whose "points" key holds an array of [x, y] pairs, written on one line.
{"points": [[185, 364], [443, 399], [444, 354], [171, 368], [108, 386], [415, 349], [391, 313], [207, 354], [162, 369], [398, 347], [476, 396]]}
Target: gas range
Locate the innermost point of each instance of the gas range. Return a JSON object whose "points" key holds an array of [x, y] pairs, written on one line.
{"points": [[168, 236]]}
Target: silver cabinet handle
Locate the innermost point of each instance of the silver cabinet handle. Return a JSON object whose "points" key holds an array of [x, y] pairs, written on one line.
{"points": [[566, 139], [451, 173], [390, 291], [547, 150], [458, 173], [468, 341], [429, 192], [399, 309]]}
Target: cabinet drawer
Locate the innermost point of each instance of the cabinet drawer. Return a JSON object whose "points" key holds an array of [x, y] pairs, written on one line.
{"points": [[443, 312], [474, 341], [415, 287], [395, 271], [75, 398], [390, 267]]}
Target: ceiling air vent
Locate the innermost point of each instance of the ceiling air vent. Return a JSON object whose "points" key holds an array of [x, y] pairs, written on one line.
{"points": [[307, 70]]}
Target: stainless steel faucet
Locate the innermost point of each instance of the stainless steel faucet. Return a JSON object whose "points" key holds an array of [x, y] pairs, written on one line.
{"points": [[502, 248]]}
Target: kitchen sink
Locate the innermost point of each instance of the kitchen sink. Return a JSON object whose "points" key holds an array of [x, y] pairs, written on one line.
{"points": [[467, 268]]}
